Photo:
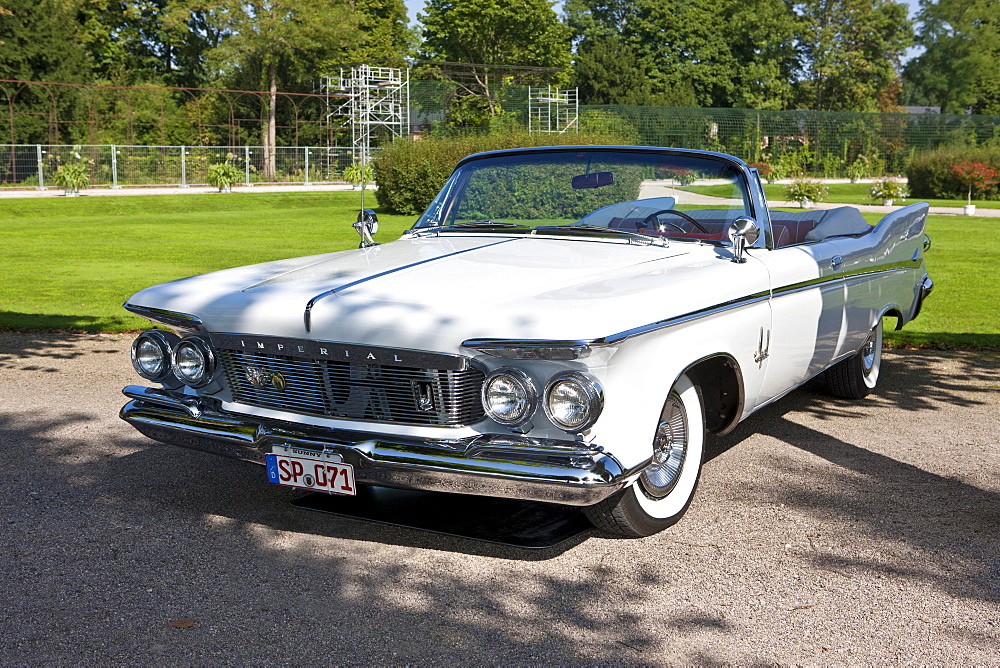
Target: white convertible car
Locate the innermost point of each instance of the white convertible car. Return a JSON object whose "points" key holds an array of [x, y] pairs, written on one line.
{"points": [[561, 325]]}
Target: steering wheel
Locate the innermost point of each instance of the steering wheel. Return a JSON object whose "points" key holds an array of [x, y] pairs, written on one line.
{"points": [[683, 215]]}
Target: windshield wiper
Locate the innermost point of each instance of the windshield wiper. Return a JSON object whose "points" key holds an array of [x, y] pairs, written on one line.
{"points": [[598, 231]]}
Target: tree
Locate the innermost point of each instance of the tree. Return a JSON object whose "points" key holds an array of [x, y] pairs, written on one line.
{"points": [[383, 36], [761, 38], [960, 65], [269, 35], [486, 33], [42, 42], [689, 52], [850, 52], [606, 71], [4, 12]]}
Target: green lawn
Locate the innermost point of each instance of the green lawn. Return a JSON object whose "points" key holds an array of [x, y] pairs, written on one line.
{"points": [[71, 263], [848, 193]]}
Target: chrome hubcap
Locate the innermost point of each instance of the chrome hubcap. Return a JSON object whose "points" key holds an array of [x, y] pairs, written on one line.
{"points": [[868, 353], [669, 449]]}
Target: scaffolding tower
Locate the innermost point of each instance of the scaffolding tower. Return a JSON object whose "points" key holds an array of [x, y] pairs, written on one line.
{"points": [[553, 110], [376, 108]]}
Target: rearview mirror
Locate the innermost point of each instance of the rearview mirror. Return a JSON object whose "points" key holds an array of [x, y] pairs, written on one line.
{"points": [[366, 226], [593, 180]]}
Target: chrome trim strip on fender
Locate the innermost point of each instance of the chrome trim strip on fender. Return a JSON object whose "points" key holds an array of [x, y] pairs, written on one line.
{"points": [[510, 466], [340, 288], [529, 349], [680, 319], [162, 315], [507, 347]]}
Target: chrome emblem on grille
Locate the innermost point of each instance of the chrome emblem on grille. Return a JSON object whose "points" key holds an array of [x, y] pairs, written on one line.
{"points": [[263, 379], [278, 381], [258, 377]]}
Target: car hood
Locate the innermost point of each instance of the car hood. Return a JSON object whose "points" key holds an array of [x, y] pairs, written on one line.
{"points": [[433, 293]]}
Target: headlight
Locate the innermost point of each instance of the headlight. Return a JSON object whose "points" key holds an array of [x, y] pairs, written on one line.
{"points": [[193, 362], [573, 401], [509, 396], [151, 354]]}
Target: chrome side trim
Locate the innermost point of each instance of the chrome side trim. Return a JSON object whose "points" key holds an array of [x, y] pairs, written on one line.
{"points": [[340, 288], [529, 349], [680, 319], [511, 466], [163, 315], [497, 347]]}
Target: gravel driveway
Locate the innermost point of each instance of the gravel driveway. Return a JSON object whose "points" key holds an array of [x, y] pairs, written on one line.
{"points": [[823, 532]]}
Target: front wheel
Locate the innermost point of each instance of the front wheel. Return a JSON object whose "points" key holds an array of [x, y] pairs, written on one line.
{"points": [[856, 377], [663, 491]]}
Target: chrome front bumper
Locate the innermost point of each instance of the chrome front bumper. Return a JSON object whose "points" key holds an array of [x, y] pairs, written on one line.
{"points": [[514, 467]]}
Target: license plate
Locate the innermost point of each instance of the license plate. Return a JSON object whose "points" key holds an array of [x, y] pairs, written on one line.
{"points": [[320, 471]]}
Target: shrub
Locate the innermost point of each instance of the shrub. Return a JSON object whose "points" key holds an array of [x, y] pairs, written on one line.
{"points": [[930, 174], [887, 189], [805, 190], [861, 168], [682, 175], [223, 175], [975, 175], [73, 177], [358, 173], [410, 173]]}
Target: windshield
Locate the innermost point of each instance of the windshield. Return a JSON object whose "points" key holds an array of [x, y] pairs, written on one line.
{"points": [[651, 193]]}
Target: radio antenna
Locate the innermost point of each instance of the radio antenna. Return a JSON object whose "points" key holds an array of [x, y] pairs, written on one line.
{"points": [[364, 175]]}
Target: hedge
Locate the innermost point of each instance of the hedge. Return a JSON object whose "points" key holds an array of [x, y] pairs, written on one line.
{"points": [[410, 173], [929, 174]]}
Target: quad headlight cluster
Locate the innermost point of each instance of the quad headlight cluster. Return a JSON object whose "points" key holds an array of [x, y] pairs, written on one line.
{"points": [[571, 400], [156, 355]]}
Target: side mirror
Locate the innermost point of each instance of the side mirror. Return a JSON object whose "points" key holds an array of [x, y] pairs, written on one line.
{"points": [[367, 226], [743, 232]]}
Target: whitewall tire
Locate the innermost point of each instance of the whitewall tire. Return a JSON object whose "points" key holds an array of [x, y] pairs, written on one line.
{"points": [[857, 376], [663, 492]]}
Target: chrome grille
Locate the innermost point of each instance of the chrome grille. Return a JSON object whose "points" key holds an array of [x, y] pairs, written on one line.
{"points": [[374, 392]]}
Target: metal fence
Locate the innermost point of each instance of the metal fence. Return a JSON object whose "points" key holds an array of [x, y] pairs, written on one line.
{"points": [[802, 141], [115, 166]]}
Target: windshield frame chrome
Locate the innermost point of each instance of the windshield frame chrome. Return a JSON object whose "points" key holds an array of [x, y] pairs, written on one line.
{"points": [[445, 200]]}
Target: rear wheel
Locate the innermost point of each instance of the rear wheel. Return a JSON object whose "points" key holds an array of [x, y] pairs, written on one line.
{"points": [[856, 377], [663, 492]]}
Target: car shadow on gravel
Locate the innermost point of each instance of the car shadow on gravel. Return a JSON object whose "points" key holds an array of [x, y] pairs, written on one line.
{"points": [[894, 502], [115, 539]]}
